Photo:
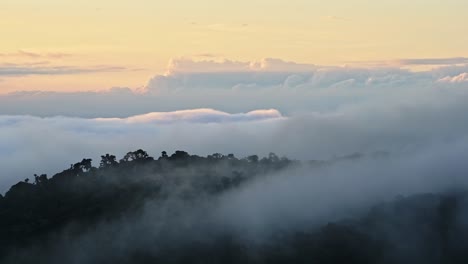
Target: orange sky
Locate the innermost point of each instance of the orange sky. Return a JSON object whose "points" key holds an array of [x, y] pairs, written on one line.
{"points": [[140, 37]]}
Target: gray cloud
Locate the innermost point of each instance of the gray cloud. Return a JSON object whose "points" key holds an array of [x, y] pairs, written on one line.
{"points": [[12, 70], [414, 62], [36, 55], [237, 87], [395, 122], [324, 112], [308, 195], [434, 61]]}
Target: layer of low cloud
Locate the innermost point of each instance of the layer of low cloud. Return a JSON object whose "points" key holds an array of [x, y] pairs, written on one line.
{"points": [[42, 68], [195, 116], [316, 112], [400, 123], [35, 55], [434, 61], [235, 87], [188, 65]]}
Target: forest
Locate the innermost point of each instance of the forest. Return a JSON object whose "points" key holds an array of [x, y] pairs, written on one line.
{"points": [[141, 209]]}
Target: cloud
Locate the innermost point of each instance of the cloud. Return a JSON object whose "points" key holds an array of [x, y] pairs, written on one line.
{"points": [[186, 75], [414, 62], [225, 27], [196, 116], [461, 78], [299, 198], [233, 86], [207, 55], [36, 55], [405, 123], [187, 65], [434, 61], [427, 144], [334, 18], [41, 68]]}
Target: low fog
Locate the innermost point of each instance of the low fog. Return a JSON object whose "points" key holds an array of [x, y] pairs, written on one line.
{"points": [[422, 119], [302, 197]]}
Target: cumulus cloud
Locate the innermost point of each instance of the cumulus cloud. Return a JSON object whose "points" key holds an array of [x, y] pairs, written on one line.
{"points": [[232, 86], [276, 75]]}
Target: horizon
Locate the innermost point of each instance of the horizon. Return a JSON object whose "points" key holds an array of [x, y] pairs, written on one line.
{"points": [[68, 46]]}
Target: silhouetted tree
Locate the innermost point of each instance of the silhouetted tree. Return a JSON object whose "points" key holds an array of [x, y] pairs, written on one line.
{"points": [[40, 179], [252, 158], [108, 161], [179, 155], [139, 155], [84, 166], [164, 155]]}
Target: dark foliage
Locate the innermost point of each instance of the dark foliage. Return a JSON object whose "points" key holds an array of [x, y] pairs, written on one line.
{"points": [[417, 229]]}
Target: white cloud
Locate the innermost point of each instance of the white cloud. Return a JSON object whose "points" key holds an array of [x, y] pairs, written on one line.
{"points": [[241, 86], [462, 77], [196, 116], [187, 65], [397, 123]]}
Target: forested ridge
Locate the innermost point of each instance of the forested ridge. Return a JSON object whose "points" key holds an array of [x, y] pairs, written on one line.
{"points": [[40, 215]]}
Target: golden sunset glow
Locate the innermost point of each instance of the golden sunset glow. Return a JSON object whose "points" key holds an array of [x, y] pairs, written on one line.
{"points": [[142, 36]]}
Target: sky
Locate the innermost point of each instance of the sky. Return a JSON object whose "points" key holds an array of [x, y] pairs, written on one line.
{"points": [[95, 45]]}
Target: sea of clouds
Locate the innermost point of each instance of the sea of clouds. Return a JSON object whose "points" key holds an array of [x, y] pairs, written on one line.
{"points": [[301, 111]]}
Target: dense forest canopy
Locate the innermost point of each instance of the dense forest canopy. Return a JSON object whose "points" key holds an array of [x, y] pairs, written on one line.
{"points": [[140, 209]]}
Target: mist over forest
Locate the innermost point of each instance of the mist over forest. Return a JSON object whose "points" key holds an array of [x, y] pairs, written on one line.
{"points": [[340, 165], [183, 208]]}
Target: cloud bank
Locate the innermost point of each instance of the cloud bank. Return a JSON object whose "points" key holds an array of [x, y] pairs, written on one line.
{"points": [[195, 116], [395, 124], [233, 86], [41, 68], [315, 113]]}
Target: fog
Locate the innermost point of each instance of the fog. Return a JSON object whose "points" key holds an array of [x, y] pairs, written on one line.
{"points": [[300, 198], [396, 125]]}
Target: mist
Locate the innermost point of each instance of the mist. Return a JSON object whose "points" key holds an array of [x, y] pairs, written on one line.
{"points": [[395, 124], [302, 197]]}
